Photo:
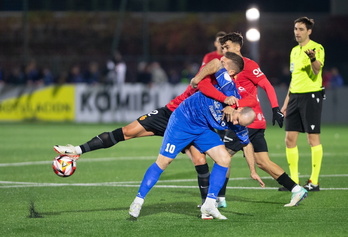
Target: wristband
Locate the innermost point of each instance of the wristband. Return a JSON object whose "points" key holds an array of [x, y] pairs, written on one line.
{"points": [[313, 60]]}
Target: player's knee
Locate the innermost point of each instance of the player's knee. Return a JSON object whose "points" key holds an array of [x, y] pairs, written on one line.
{"points": [[163, 161], [199, 160], [224, 161], [130, 132]]}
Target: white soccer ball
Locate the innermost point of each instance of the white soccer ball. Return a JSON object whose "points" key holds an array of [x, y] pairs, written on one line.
{"points": [[64, 166]]}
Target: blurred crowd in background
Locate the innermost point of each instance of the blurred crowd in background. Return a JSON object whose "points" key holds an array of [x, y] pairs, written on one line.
{"points": [[113, 72], [45, 48]]}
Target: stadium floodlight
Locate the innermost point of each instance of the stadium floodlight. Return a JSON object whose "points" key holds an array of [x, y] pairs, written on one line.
{"points": [[253, 35], [252, 14]]}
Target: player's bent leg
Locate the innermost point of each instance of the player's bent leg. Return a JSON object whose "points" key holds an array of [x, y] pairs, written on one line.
{"points": [[220, 155], [263, 162]]}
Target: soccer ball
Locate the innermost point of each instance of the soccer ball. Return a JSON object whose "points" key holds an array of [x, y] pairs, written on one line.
{"points": [[64, 166]]}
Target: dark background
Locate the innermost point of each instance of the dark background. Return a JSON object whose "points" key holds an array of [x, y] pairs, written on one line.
{"points": [[169, 5], [176, 33]]}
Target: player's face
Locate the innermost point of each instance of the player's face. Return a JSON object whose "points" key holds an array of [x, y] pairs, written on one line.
{"points": [[229, 46], [228, 65], [301, 33], [245, 120], [236, 118]]}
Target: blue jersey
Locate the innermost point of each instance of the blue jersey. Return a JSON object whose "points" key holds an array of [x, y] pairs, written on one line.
{"points": [[198, 106], [196, 118]]}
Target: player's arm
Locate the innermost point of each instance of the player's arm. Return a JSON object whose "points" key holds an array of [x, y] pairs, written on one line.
{"points": [[208, 89], [243, 136], [272, 97], [210, 68], [249, 157]]}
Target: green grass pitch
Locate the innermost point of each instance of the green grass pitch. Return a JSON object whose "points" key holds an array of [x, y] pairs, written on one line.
{"points": [[95, 200]]}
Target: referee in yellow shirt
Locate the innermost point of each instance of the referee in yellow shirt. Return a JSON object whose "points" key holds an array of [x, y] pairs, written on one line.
{"points": [[303, 103]]}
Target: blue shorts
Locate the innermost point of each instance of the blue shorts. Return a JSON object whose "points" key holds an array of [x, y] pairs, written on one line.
{"points": [[182, 131]]}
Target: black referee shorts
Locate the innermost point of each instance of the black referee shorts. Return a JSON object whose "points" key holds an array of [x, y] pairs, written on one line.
{"points": [[303, 113], [156, 121]]}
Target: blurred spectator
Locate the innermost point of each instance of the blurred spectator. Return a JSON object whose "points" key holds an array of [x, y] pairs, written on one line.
{"points": [[117, 69], [75, 75], [47, 76], [336, 79], [93, 74], [62, 78], [326, 77], [158, 75], [32, 73], [189, 72], [174, 76], [17, 76], [143, 73]]}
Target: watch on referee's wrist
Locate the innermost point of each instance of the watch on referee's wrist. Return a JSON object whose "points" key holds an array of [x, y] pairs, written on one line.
{"points": [[313, 60]]}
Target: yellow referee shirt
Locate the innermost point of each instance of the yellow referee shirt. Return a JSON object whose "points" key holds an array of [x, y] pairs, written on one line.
{"points": [[303, 80]]}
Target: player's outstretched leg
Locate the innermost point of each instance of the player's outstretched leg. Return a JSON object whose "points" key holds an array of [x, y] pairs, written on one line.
{"points": [[103, 140]]}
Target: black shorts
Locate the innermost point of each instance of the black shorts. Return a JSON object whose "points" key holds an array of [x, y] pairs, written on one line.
{"points": [[303, 113], [156, 121], [256, 137]]}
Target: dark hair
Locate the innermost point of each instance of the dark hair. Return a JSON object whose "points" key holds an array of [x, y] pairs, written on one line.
{"points": [[237, 60], [234, 37], [220, 34], [305, 20]]}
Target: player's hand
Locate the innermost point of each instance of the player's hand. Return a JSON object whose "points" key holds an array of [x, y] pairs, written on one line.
{"points": [[310, 53], [277, 116], [231, 100], [256, 177], [227, 113], [194, 83]]}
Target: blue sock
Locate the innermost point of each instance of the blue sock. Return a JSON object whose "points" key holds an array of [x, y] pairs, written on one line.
{"points": [[217, 180], [151, 177]]}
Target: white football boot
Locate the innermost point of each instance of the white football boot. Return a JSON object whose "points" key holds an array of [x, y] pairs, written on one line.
{"points": [[68, 150]]}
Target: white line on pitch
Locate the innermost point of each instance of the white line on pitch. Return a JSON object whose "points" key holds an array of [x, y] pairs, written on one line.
{"points": [[129, 158]]}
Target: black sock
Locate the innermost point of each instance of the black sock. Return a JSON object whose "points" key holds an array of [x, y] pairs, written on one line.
{"points": [[203, 179], [286, 181], [103, 140], [222, 192]]}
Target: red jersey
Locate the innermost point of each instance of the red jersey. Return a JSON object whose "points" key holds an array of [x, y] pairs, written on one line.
{"points": [[210, 56], [174, 103], [208, 90], [248, 80]]}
